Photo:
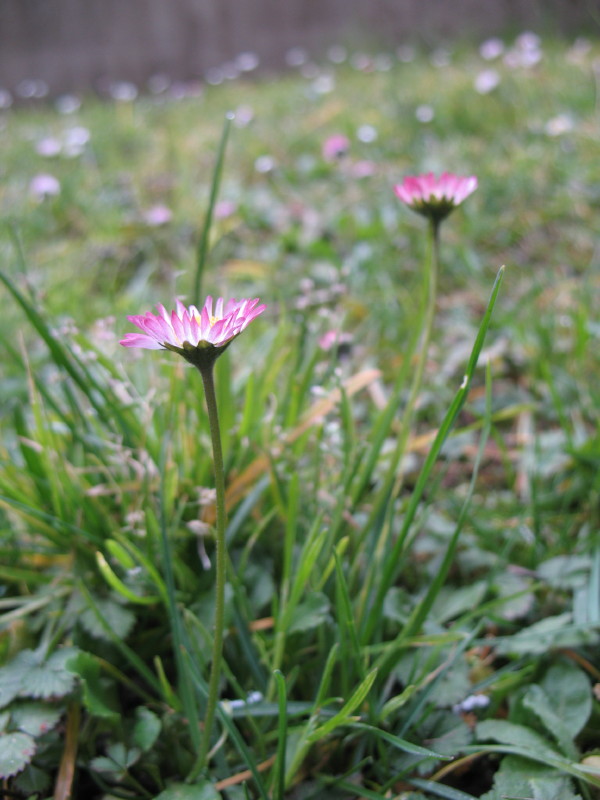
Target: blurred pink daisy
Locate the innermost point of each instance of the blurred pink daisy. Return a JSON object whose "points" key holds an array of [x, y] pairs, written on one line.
{"points": [[335, 147], [199, 336], [435, 197]]}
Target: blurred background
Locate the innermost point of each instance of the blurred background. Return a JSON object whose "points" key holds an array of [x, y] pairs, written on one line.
{"points": [[48, 47]]}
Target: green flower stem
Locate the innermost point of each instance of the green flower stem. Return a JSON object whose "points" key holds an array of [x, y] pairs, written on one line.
{"points": [[432, 281], [395, 483], [220, 568]]}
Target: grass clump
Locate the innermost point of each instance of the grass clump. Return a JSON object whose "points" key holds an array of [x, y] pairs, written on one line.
{"points": [[411, 598]]}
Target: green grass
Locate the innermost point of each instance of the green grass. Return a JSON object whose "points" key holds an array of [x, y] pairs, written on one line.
{"points": [[371, 588]]}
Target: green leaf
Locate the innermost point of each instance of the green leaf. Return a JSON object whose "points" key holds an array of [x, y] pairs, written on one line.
{"points": [[537, 702], [519, 736], [29, 675], [16, 751], [570, 693], [35, 718], [565, 572], [50, 678], [10, 682], [181, 791], [117, 760], [146, 729], [546, 634], [521, 778], [451, 602], [96, 698], [32, 781], [120, 619], [310, 614]]}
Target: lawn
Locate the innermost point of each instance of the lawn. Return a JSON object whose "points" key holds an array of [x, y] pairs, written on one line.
{"points": [[405, 568]]}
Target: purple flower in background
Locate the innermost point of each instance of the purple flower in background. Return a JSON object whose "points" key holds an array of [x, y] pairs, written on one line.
{"points": [[157, 215], [335, 147], [43, 186]]}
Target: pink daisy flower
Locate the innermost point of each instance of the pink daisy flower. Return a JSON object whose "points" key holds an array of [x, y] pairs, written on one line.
{"points": [[199, 336], [435, 197], [335, 147]]}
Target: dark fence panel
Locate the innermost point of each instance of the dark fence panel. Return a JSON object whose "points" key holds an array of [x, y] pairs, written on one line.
{"points": [[75, 44]]}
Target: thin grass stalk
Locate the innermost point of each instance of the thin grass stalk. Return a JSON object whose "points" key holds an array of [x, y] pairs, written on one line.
{"points": [[423, 608], [202, 252]]}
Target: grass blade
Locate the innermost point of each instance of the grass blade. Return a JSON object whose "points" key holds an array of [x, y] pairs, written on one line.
{"points": [[391, 564], [214, 191]]}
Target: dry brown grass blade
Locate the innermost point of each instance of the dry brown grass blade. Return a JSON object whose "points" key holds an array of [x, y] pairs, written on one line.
{"points": [[66, 772], [243, 776]]}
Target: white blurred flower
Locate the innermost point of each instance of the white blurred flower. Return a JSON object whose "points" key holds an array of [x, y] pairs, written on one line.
{"points": [[486, 81], [157, 215], [246, 62], [224, 209], [337, 54], [48, 147], [123, 91], [44, 185], [5, 98], [472, 702], [491, 49], [214, 76], [367, 134], [424, 113], [32, 88], [324, 84], [75, 140], [67, 104], [243, 116], [528, 41], [579, 50], [440, 58], [264, 164], [563, 123]]}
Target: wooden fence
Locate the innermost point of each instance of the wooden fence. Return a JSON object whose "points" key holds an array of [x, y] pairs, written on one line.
{"points": [[75, 45]]}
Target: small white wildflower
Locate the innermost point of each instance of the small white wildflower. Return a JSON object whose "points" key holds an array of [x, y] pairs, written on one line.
{"points": [[246, 62], [367, 134], [491, 49], [557, 126], [486, 81], [337, 54], [424, 113], [471, 703]]}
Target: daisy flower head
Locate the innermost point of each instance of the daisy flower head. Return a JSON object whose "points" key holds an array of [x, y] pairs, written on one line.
{"points": [[199, 336], [335, 147], [435, 197]]}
